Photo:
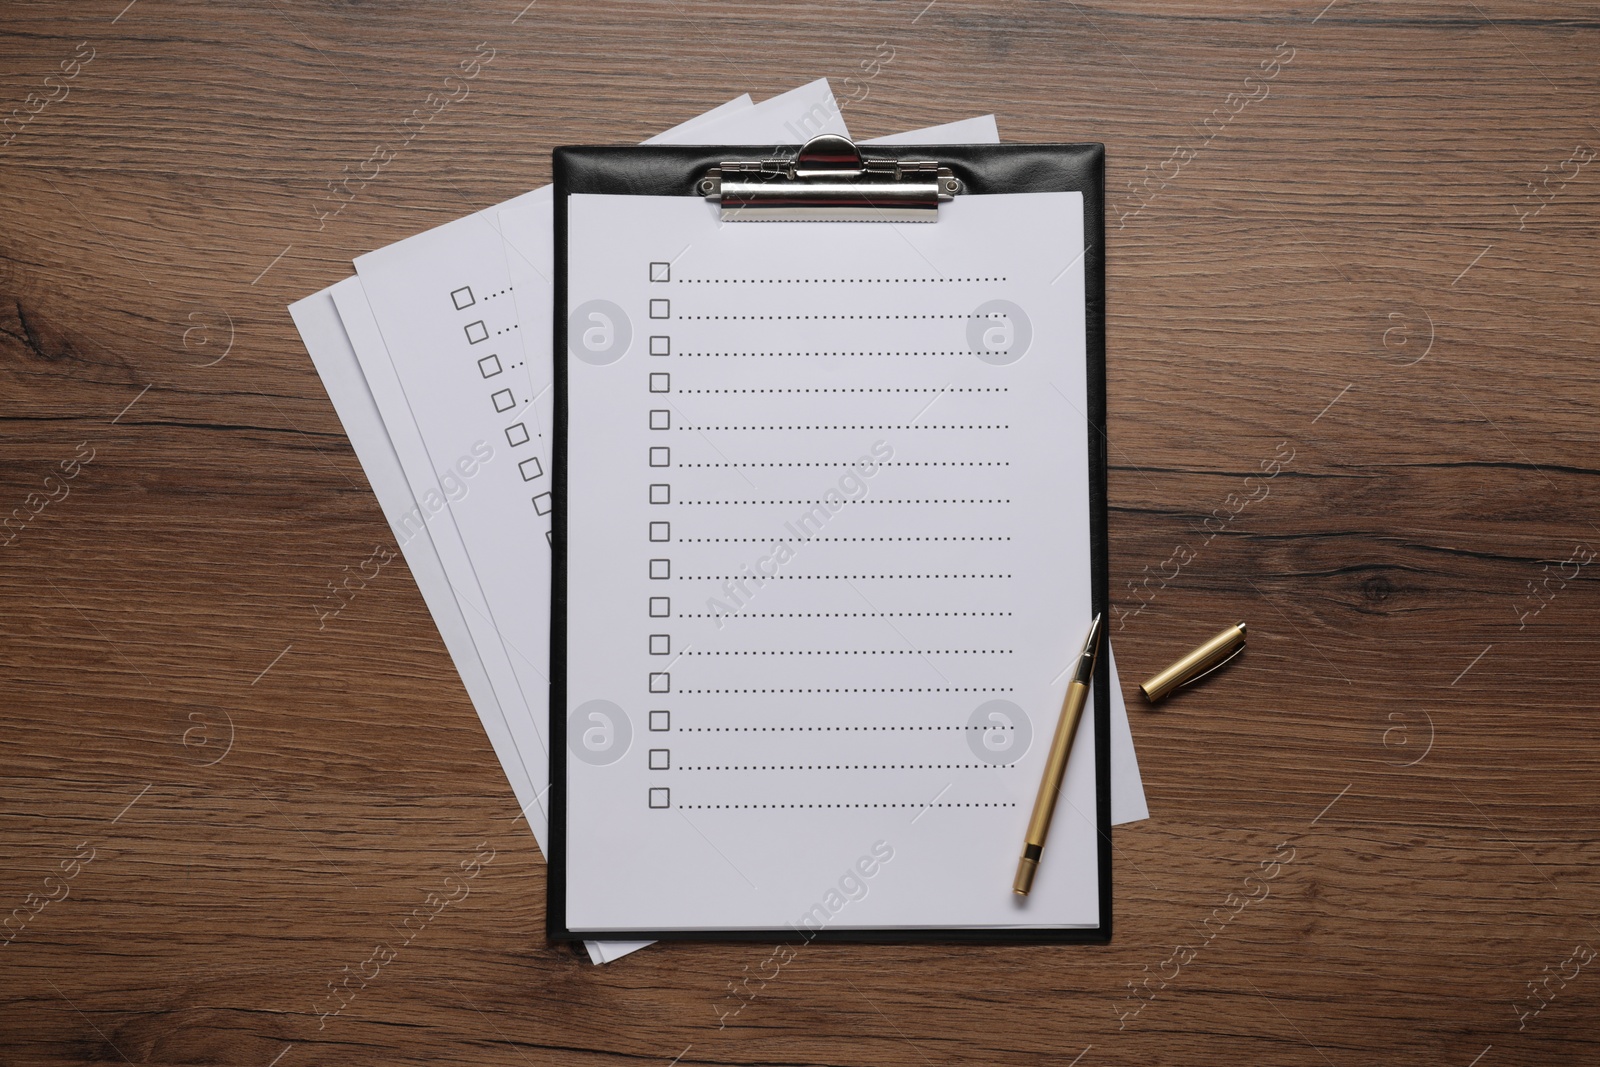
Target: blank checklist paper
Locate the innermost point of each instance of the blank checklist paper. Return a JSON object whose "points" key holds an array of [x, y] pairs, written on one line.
{"points": [[824, 555]]}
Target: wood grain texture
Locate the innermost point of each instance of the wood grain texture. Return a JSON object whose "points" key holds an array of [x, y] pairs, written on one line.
{"points": [[1346, 268]]}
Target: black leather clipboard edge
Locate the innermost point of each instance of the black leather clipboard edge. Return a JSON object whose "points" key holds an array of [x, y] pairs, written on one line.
{"points": [[670, 171]]}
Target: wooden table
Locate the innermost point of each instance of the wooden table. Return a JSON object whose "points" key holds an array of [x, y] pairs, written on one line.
{"points": [[1356, 245]]}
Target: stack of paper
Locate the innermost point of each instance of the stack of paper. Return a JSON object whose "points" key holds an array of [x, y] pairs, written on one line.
{"points": [[437, 356]]}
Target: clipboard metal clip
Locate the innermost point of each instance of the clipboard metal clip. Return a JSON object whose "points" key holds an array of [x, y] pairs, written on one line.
{"points": [[829, 180]]}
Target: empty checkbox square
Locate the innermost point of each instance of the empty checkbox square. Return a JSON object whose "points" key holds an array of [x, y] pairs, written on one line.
{"points": [[462, 297], [542, 504], [550, 538], [660, 759], [660, 682], [661, 644], [517, 434], [476, 332], [660, 309], [660, 345], [660, 456], [661, 531], [530, 468], [489, 366], [661, 272], [503, 400], [660, 797], [660, 382], [661, 568], [660, 419], [660, 721], [660, 493], [660, 607]]}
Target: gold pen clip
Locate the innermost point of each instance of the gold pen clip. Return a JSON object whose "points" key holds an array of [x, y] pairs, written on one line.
{"points": [[1187, 682]]}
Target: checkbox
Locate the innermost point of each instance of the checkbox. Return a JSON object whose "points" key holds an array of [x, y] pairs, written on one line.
{"points": [[660, 309], [660, 382], [503, 400], [530, 468], [549, 538], [660, 607], [661, 568], [661, 644], [661, 531], [660, 456], [660, 493], [542, 504], [661, 272], [660, 345], [462, 297], [517, 434], [660, 759], [660, 419], [477, 331], [660, 682], [660, 721], [489, 366], [660, 797]]}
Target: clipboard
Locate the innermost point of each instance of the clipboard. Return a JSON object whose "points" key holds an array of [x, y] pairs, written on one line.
{"points": [[827, 180]]}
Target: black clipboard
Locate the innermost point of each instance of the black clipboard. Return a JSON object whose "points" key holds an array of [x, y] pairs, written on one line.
{"points": [[762, 180]]}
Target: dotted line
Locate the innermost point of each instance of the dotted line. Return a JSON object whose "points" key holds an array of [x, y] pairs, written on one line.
{"points": [[852, 463], [918, 804], [830, 281], [956, 689], [863, 389], [885, 426], [808, 540], [846, 615], [825, 577], [764, 318], [867, 652], [748, 355], [752, 503], [823, 729], [859, 767]]}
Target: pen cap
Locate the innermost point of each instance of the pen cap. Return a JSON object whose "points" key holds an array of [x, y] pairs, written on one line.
{"points": [[1208, 657]]}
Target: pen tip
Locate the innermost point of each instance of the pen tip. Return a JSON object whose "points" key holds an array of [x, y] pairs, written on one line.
{"points": [[1242, 628]]}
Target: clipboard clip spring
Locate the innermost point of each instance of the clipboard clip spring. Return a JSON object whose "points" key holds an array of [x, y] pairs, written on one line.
{"points": [[828, 180]]}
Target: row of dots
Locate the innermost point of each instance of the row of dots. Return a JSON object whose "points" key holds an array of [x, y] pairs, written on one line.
{"points": [[862, 652], [765, 540], [846, 615]]}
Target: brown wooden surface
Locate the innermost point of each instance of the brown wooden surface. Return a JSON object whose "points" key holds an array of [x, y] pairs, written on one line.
{"points": [[1356, 235]]}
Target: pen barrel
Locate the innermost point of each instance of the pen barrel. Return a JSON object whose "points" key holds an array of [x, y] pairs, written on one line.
{"points": [[1055, 770], [1196, 663]]}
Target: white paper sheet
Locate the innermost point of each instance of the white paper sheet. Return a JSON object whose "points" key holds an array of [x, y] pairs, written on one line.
{"points": [[435, 488], [821, 594], [980, 129], [1128, 803], [331, 351]]}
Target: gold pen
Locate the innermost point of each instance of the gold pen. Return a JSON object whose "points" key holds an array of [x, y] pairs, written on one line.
{"points": [[1055, 768], [1202, 661]]}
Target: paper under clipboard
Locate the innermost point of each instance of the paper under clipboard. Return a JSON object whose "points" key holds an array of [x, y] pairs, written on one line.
{"points": [[829, 521]]}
